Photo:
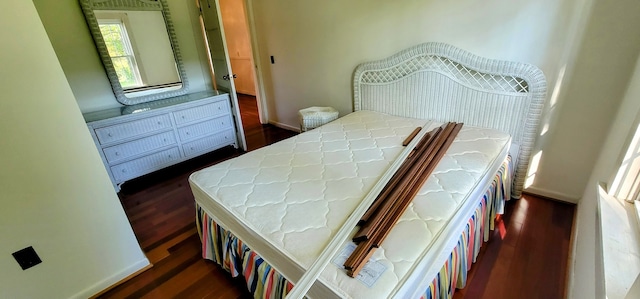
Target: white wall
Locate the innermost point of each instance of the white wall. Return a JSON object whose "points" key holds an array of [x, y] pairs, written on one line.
{"points": [[56, 195], [317, 47], [69, 34], [590, 99]]}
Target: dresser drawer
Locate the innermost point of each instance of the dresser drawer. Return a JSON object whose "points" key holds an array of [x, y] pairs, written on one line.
{"points": [[208, 143], [144, 165], [204, 128], [120, 152], [201, 112], [134, 128]]}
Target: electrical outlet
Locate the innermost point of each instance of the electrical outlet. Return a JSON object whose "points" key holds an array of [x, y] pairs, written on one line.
{"points": [[27, 257]]}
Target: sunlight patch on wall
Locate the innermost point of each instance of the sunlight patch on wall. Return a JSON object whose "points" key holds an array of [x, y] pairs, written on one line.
{"points": [[553, 101], [556, 89], [533, 169], [545, 129]]}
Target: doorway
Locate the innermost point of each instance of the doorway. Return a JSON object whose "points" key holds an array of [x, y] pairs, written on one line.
{"points": [[227, 36], [236, 31]]}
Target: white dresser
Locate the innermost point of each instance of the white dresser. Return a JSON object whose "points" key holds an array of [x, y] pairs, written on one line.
{"points": [[139, 139]]}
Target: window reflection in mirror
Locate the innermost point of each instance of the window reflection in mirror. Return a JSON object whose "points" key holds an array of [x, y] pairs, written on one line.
{"points": [[140, 50], [121, 52]]}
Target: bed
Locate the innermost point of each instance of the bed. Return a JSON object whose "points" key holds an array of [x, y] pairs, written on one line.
{"points": [[283, 215]]}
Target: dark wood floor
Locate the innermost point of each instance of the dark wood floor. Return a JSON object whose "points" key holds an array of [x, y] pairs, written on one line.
{"points": [[525, 258], [527, 255], [256, 134]]}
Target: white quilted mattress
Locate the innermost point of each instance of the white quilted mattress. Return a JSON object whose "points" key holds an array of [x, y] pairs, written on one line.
{"points": [[287, 200]]}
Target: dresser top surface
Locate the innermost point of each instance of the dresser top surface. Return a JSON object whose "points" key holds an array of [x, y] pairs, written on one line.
{"points": [[133, 109]]}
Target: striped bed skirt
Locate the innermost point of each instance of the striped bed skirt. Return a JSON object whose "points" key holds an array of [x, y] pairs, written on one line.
{"points": [[263, 281]]}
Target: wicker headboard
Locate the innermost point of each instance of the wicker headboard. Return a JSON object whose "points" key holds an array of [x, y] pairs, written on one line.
{"points": [[443, 83]]}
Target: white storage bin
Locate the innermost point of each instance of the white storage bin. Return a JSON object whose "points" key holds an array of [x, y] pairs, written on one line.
{"points": [[314, 117]]}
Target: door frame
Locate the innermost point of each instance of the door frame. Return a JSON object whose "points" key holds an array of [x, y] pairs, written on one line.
{"points": [[261, 97], [256, 61], [235, 107]]}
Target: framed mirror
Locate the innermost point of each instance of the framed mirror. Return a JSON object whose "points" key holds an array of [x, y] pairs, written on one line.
{"points": [[138, 47]]}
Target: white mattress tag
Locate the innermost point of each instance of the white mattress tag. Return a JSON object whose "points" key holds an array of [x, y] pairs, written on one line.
{"points": [[371, 271]]}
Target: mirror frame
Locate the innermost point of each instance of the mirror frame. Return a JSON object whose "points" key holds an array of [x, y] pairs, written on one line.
{"points": [[88, 7]]}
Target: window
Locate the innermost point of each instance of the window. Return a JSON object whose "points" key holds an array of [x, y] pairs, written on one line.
{"points": [[120, 50], [626, 184]]}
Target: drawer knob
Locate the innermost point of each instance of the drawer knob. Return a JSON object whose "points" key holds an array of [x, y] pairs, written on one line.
{"points": [[169, 156], [222, 123], [159, 123], [183, 117], [124, 170], [191, 148], [187, 133], [109, 134], [164, 140], [117, 154], [219, 108]]}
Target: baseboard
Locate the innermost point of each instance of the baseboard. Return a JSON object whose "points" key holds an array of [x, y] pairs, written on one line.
{"points": [[552, 195], [284, 126], [114, 280], [246, 93]]}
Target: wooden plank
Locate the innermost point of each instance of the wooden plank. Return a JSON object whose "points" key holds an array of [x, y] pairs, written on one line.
{"points": [[371, 219], [420, 179], [388, 214], [411, 136]]}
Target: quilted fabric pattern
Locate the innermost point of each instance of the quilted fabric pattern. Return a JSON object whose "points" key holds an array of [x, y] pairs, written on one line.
{"points": [[297, 193]]}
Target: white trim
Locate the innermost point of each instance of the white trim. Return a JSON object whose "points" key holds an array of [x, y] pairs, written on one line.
{"points": [[263, 110], [285, 126], [109, 281], [235, 109], [553, 194]]}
